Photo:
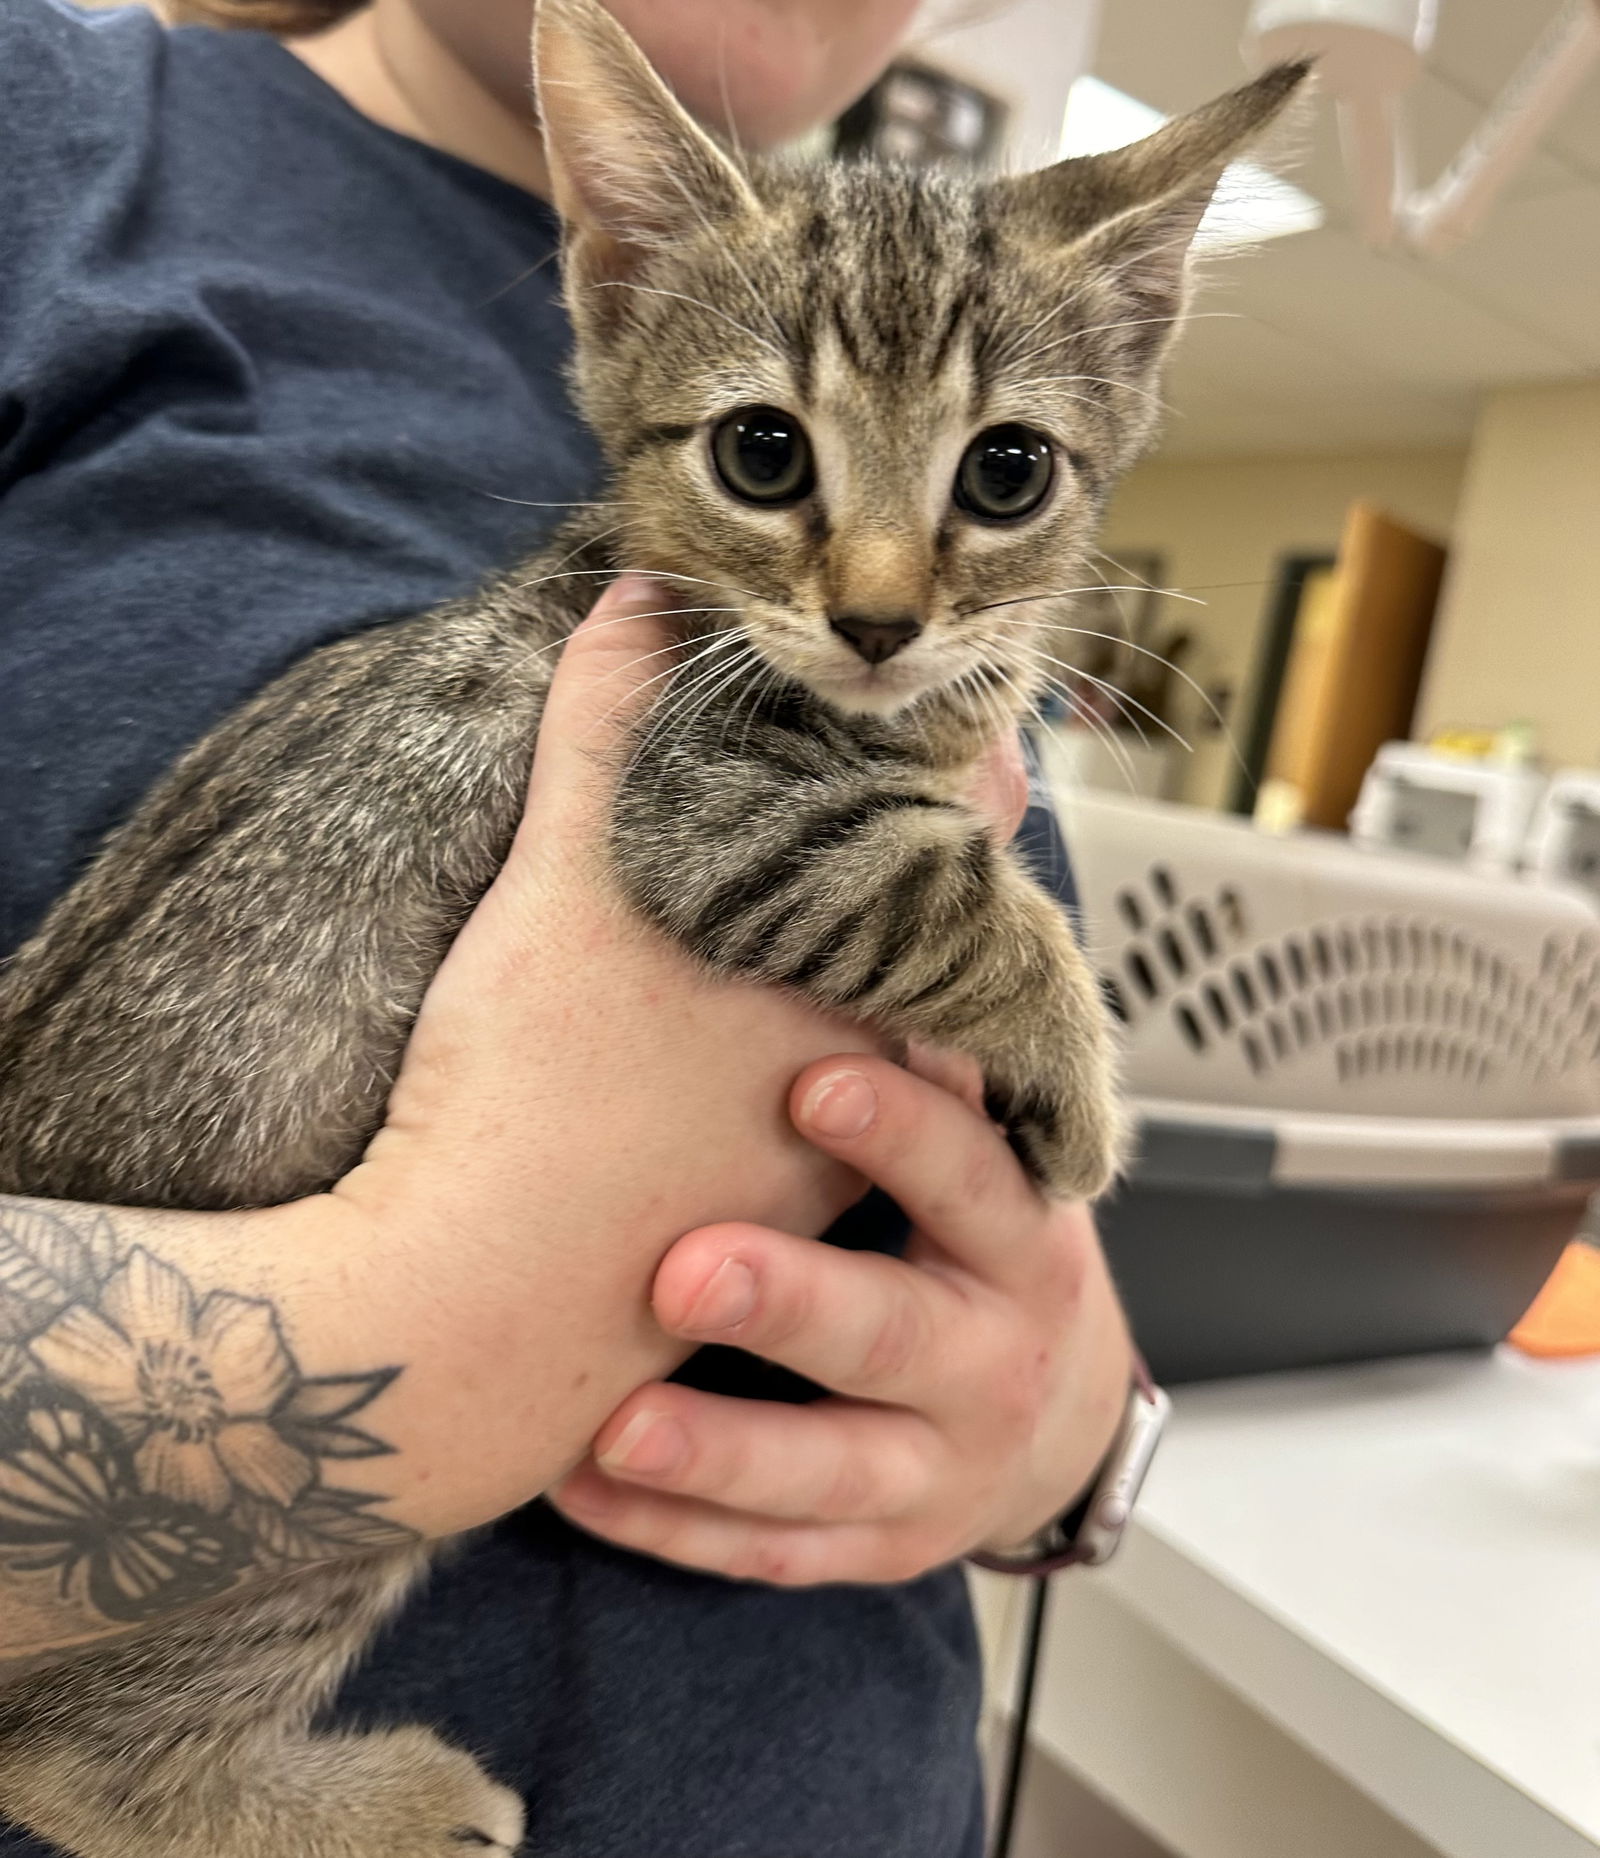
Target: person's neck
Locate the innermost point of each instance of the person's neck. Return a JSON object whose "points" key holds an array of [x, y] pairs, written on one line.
{"points": [[385, 63]]}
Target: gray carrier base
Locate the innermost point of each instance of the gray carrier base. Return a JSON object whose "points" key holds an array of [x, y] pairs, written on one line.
{"points": [[1225, 1271]]}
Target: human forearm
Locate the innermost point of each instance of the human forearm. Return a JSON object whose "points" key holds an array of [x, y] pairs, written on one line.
{"points": [[473, 1296], [195, 1400]]}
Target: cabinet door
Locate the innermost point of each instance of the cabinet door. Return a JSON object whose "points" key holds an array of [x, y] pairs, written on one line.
{"points": [[1355, 665]]}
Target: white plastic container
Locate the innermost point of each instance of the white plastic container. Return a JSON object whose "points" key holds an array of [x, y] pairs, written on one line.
{"points": [[1367, 1087], [1564, 843], [1117, 761], [1473, 812]]}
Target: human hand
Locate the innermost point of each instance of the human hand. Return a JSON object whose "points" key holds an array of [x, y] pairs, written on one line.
{"points": [[976, 1384], [1000, 789], [576, 1094]]}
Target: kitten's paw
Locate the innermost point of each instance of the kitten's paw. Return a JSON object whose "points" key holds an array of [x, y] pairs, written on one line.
{"points": [[410, 1796], [1071, 1140], [399, 1793]]}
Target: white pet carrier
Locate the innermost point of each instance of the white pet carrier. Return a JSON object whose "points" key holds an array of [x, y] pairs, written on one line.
{"points": [[1367, 1087]]}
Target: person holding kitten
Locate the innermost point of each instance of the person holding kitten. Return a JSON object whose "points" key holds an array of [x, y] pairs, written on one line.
{"points": [[280, 357]]}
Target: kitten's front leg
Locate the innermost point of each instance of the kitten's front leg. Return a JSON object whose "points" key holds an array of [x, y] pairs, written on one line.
{"points": [[881, 900]]}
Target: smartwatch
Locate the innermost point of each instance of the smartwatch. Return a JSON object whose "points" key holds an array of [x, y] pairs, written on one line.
{"points": [[1089, 1533]]}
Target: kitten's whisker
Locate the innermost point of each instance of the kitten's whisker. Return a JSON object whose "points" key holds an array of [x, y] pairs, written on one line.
{"points": [[1103, 380], [1096, 724], [1183, 676], [762, 308], [661, 651], [561, 572], [772, 682], [1177, 671], [1116, 592], [722, 87], [1062, 593], [1070, 301], [1132, 322], [739, 667], [690, 678], [737, 703], [655, 290], [682, 705], [617, 619], [665, 574], [533, 503], [1056, 682], [522, 277], [1039, 379], [1111, 274], [517, 667], [1098, 727], [569, 574], [1031, 711], [1125, 704]]}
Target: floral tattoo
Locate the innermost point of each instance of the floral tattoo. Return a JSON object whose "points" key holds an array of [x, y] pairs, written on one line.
{"points": [[157, 1444]]}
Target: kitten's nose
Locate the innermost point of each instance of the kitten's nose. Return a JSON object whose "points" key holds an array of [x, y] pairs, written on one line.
{"points": [[876, 639]]}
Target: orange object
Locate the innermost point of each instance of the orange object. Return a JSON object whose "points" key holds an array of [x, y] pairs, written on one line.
{"points": [[1565, 1318]]}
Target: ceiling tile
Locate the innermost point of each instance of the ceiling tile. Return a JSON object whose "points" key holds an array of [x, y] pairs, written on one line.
{"points": [[1399, 316], [1177, 55], [1480, 43], [1540, 263], [1171, 56], [1236, 385]]}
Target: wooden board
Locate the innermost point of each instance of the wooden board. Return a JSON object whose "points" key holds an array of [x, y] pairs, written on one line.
{"points": [[1356, 663]]}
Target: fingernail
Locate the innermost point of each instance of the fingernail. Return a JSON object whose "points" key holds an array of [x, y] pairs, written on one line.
{"points": [[841, 1106], [727, 1298], [650, 1445]]}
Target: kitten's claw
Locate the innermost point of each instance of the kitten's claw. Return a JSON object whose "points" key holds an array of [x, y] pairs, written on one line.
{"points": [[1072, 1143], [440, 1804]]}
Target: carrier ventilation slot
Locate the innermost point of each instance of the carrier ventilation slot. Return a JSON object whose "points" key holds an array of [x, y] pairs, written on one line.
{"points": [[1390, 995]]}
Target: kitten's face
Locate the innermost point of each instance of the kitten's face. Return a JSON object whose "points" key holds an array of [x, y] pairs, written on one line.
{"points": [[867, 417], [879, 431]]}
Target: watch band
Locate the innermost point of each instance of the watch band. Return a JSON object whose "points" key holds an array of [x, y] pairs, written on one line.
{"points": [[1089, 1533]]}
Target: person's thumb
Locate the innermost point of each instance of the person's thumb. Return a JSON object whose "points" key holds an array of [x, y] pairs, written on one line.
{"points": [[601, 686]]}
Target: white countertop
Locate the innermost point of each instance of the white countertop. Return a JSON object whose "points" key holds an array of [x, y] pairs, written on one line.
{"points": [[1399, 1564]]}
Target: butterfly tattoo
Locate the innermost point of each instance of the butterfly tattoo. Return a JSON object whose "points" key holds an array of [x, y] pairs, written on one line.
{"points": [[156, 1443]]}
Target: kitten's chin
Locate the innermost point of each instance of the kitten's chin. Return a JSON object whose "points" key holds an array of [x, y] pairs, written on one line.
{"points": [[863, 699], [870, 690]]}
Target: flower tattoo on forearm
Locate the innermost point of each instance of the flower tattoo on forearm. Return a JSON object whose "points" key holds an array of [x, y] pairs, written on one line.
{"points": [[157, 1442]]}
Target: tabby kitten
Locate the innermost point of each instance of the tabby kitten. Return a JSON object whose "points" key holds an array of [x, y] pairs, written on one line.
{"points": [[866, 421]]}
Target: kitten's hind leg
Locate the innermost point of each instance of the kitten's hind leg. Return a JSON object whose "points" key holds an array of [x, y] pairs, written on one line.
{"points": [[192, 1740], [396, 1794]]}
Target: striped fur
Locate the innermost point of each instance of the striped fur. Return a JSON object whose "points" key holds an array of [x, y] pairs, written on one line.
{"points": [[213, 1015]]}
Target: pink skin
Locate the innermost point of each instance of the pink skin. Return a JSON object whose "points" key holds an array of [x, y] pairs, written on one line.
{"points": [[976, 1383], [781, 65]]}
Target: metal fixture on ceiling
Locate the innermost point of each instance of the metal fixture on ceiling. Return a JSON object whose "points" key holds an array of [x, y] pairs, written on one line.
{"points": [[1369, 53]]}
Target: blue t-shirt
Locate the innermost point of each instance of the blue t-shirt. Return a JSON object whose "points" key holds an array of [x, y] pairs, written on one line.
{"points": [[269, 373]]}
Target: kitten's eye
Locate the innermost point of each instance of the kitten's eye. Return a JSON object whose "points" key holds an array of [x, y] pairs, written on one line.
{"points": [[1004, 473], [763, 455]]}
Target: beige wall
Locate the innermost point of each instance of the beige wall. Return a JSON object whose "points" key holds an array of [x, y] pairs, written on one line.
{"points": [[1519, 633], [1222, 525]]}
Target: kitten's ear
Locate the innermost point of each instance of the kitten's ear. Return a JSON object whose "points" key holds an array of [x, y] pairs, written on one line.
{"points": [[1134, 210], [630, 169]]}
